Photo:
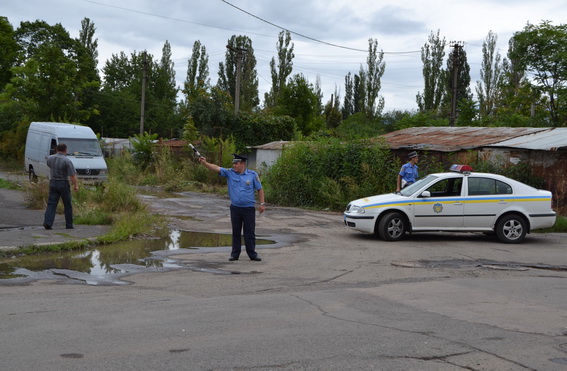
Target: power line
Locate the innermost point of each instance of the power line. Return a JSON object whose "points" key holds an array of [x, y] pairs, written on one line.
{"points": [[309, 37], [166, 17], [293, 32]]}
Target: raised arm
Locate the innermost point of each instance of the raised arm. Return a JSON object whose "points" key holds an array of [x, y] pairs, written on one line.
{"points": [[211, 167]]}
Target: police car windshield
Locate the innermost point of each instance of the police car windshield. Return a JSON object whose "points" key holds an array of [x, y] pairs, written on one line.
{"points": [[411, 189], [82, 147]]}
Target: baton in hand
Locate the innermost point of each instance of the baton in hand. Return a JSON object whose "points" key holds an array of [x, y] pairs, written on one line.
{"points": [[195, 150]]}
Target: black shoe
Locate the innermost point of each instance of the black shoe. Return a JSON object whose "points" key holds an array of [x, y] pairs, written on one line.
{"points": [[71, 227], [256, 259], [231, 259], [46, 226]]}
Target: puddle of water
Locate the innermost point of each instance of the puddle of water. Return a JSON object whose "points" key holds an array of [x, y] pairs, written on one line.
{"points": [[106, 260]]}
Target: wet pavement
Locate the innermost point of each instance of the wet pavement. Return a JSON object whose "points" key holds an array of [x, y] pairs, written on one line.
{"points": [[21, 226]]}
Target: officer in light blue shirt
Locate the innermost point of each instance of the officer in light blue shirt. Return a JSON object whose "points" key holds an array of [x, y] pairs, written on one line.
{"points": [[408, 173], [242, 186]]}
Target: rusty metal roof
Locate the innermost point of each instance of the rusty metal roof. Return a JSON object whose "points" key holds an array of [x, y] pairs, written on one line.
{"points": [[449, 139], [548, 140]]}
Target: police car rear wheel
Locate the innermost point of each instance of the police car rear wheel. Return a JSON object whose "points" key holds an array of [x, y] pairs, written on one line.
{"points": [[392, 227], [511, 229]]}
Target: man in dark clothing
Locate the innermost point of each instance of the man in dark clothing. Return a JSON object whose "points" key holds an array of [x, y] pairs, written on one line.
{"points": [[61, 171]]}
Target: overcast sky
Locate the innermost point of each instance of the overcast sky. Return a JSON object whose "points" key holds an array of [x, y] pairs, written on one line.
{"points": [[401, 28]]}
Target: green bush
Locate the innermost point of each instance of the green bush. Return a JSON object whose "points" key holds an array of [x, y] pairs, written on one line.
{"points": [[329, 173]]}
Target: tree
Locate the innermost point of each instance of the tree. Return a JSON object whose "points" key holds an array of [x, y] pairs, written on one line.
{"points": [[299, 100], [375, 70], [240, 46], [162, 106], [333, 116], [360, 91], [50, 75], [9, 48], [284, 68], [197, 81], [432, 54], [457, 63], [491, 77], [542, 50], [88, 62], [10, 110], [348, 105]]}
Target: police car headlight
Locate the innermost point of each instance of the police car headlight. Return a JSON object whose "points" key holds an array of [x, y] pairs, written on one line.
{"points": [[356, 209]]}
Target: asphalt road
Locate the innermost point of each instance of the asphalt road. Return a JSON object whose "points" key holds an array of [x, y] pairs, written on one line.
{"points": [[325, 298]]}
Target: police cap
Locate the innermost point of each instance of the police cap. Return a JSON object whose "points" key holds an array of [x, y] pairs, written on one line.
{"points": [[412, 155], [238, 158]]}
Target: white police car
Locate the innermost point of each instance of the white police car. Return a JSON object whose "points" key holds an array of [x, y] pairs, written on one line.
{"points": [[460, 201]]}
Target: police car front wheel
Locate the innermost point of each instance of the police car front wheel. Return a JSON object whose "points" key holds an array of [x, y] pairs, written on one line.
{"points": [[392, 227]]}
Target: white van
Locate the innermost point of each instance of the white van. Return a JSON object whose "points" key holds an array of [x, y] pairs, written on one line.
{"points": [[83, 149]]}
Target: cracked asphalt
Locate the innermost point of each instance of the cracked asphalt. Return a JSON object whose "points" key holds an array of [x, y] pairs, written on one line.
{"points": [[326, 298]]}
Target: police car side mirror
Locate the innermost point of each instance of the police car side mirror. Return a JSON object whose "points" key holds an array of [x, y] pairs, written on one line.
{"points": [[425, 194]]}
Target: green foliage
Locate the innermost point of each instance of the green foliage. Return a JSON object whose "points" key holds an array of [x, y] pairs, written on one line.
{"points": [[434, 76], [360, 126], [299, 100], [329, 173], [559, 227], [542, 51], [142, 151], [249, 77], [6, 184], [173, 173], [212, 112], [12, 142], [422, 118], [253, 129], [521, 172]]}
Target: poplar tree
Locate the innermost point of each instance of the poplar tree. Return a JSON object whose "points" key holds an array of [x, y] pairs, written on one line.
{"points": [[375, 70], [282, 70], [249, 77], [197, 81], [434, 76], [491, 77]]}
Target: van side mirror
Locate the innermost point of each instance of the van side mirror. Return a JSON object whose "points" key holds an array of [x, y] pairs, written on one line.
{"points": [[425, 194]]}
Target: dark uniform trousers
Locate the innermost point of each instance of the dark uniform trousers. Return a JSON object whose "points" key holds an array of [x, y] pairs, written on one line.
{"points": [[239, 217]]}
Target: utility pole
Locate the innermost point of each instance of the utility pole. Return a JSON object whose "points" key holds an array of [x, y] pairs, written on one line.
{"points": [[456, 61], [239, 55], [143, 103]]}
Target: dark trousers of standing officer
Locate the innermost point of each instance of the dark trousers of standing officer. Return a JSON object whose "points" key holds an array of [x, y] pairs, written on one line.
{"points": [[239, 217], [59, 189]]}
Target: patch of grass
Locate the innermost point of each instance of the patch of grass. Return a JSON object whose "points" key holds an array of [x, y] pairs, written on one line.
{"points": [[36, 194], [112, 203], [6, 184], [559, 227], [133, 224]]}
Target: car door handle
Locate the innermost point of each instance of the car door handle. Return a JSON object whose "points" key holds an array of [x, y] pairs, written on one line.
{"points": [[502, 202], [457, 203]]}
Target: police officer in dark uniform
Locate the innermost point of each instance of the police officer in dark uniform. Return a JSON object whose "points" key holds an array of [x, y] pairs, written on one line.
{"points": [[61, 171], [242, 184]]}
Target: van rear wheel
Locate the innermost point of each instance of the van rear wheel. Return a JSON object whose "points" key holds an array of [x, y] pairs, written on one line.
{"points": [[33, 177]]}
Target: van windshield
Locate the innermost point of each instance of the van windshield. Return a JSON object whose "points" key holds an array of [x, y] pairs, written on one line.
{"points": [[82, 147]]}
